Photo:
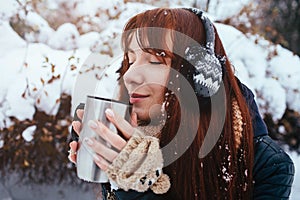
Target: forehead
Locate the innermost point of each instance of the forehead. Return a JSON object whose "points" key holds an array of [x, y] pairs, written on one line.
{"points": [[133, 43], [151, 38]]}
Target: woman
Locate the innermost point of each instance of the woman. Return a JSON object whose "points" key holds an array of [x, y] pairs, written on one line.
{"points": [[202, 150]]}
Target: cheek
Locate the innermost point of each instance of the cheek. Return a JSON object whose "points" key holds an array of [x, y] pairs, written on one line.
{"points": [[160, 77], [125, 79], [159, 92]]}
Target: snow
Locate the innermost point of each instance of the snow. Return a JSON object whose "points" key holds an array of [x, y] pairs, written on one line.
{"points": [[275, 81], [38, 69], [32, 77], [286, 69], [7, 9], [65, 37], [231, 7], [252, 56], [88, 39], [28, 133], [269, 103], [21, 108], [40, 30]]}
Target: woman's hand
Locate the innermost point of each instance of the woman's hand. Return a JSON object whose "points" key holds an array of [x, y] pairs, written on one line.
{"points": [[73, 145], [101, 150], [149, 166], [104, 155]]}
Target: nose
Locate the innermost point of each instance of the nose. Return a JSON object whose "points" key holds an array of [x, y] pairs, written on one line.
{"points": [[134, 76]]}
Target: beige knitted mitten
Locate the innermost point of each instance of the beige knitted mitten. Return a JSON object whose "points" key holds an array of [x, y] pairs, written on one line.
{"points": [[139, 166]]}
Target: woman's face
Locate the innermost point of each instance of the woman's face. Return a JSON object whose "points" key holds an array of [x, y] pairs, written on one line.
{"points": [[146, 81]]}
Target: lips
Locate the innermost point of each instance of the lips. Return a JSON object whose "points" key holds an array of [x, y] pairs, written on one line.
{"points": [[136, 97]]}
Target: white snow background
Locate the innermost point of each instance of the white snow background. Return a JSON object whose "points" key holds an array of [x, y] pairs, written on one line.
{"points": [[27, 64]]}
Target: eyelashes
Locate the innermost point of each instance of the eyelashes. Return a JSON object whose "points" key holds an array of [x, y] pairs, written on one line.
{"points": [[156, 63], [150, 62]]}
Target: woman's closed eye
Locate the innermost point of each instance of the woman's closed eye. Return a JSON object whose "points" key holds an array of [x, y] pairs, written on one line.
{"points": [[151, 62], [155, 62]]}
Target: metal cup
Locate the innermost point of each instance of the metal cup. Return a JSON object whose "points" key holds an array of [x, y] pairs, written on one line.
{"points": [[94, 109]]}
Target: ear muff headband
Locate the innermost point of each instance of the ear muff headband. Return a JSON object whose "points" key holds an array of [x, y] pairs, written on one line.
{"points": [[208, 68]]}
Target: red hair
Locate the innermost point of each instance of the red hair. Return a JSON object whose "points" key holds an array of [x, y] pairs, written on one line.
{"points": [[226, 171]]}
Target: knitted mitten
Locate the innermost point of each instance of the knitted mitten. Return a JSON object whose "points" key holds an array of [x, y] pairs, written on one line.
{"points": [[139, 166]]}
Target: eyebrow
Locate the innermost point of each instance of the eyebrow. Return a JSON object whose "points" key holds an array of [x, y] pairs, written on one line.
{"points": [[130, 50]]}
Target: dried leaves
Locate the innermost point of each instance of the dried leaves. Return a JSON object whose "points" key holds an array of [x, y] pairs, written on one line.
{"points": [[44, 159]]}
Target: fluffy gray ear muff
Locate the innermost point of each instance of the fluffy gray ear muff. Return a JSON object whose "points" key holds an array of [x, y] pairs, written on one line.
{"points": [[208, 71], [208, 68]]}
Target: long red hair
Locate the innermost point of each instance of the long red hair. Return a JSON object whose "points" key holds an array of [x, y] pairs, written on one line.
{"points": [[226, 172]]}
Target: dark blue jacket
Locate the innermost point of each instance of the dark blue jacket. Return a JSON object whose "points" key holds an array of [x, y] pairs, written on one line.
{"points": [[273, 170]]}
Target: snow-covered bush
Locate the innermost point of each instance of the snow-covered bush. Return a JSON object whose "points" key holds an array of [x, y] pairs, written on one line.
{"points": [[44, 49]]}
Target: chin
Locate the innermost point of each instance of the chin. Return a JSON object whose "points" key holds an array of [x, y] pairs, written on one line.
{"points": [[142, 113]]}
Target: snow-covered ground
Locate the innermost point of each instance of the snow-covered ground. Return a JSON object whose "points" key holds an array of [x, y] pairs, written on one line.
{"points": [[38, 69]]}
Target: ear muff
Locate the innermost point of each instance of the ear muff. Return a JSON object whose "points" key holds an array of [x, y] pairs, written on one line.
{"points": [[207, 73]]}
